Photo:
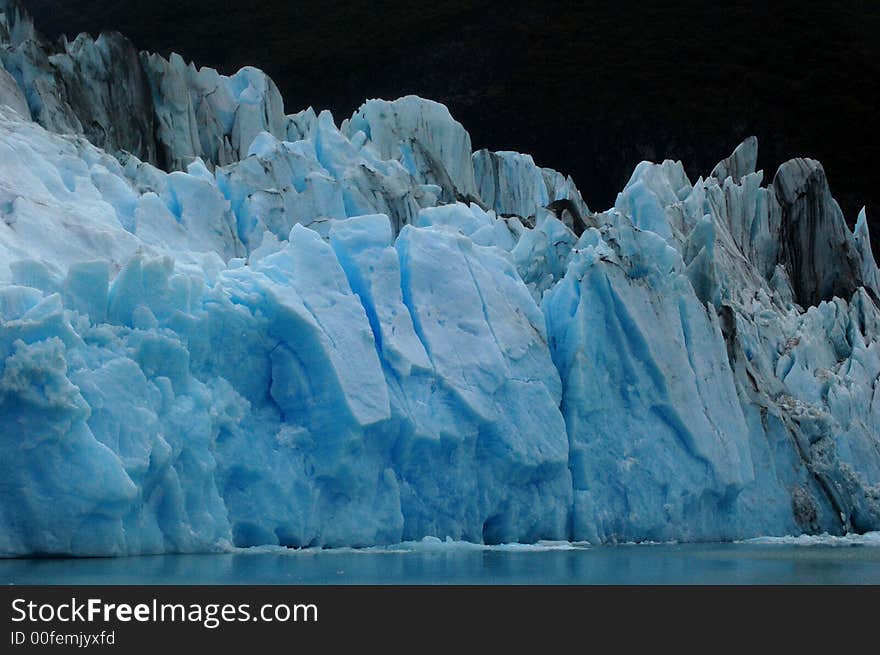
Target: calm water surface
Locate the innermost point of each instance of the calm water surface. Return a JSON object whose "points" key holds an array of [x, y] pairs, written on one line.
{"points": [[436, 563]]}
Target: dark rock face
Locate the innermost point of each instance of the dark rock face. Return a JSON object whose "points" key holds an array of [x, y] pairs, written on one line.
{"points": [[568, 212], [108, 90], [163, 111], [94, 87], [816, 248], [742, 161]]}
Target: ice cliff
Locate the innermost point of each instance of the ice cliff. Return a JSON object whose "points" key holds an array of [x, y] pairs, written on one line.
{"points": [[221, 324]]}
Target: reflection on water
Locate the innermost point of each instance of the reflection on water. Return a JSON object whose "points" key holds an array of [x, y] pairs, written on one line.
{"points": [[456, 564]]}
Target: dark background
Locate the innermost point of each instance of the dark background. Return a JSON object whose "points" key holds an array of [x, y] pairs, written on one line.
{"points": [[589, 88]]}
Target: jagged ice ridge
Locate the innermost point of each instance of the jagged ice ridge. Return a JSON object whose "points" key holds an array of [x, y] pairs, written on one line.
{"points": [[223, 325]]}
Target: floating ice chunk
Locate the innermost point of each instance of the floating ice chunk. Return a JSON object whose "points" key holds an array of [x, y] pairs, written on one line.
{"points": [[867, 539]]}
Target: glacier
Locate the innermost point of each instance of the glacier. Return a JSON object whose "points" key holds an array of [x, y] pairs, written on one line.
{"points": [[222, 325]]}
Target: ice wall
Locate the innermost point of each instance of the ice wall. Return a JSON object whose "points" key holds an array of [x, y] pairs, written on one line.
{"points": [[222, 325]]}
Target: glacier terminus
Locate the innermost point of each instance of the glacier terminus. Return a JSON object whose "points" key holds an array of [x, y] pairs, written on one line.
{"points": [[222, 325]]}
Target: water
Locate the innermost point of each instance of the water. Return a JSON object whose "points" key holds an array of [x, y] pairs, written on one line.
{"points": [[828, 561]]}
